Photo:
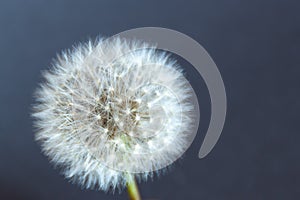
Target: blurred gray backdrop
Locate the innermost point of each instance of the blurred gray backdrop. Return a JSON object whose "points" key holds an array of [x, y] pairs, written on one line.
{"points": [[255, 45]]}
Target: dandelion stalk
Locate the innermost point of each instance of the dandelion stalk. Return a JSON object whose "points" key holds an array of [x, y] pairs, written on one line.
{"points": [[132, 189]]}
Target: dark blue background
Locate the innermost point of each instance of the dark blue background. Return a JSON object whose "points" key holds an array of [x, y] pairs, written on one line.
{"points": [[256, 47]]}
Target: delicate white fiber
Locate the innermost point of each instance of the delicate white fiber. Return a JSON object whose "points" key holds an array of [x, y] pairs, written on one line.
{"points": [[110, 109]]}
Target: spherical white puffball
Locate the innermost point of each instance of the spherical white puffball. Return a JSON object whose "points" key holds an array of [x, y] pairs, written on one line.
{"points": [[111, 109]]}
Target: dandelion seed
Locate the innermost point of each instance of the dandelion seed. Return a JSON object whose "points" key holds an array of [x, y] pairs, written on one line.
{"points": [[107, 111]]}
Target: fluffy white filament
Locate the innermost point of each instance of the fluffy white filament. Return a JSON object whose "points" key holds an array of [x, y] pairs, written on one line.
{"points": [[110, 109]]}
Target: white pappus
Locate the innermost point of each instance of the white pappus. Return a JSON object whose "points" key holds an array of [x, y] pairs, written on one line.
{"points": [[110, 109]]}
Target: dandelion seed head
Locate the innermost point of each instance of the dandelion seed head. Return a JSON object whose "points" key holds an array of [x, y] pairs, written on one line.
{"points": [[110, 108]]}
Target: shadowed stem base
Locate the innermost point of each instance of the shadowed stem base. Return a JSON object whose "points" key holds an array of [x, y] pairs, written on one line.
{"points": [[132, 189]]}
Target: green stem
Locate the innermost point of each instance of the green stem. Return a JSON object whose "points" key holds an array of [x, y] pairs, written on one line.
{"points": [[132, 189]]}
